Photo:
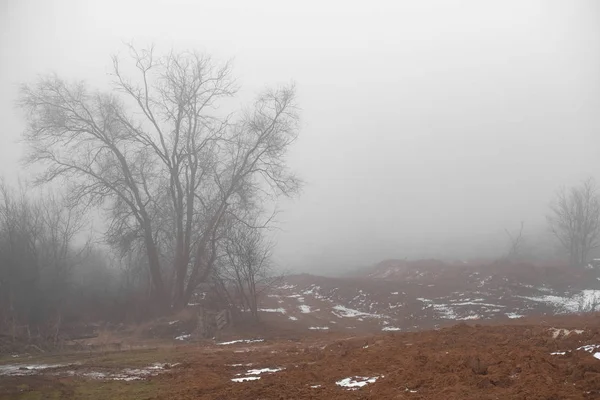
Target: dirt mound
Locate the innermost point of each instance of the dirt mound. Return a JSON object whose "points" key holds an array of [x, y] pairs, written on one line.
{"points": [[462, 362]]}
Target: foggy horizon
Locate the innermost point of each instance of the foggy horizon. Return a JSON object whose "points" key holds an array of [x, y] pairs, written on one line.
{"points": [[427, 128]]}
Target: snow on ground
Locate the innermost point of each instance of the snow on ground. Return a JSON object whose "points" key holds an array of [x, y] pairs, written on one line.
{"points": [[356, 382], [319, 328], [252, 374], [183, 337], [564, 332], [445, 311], [390, 328], [126, 374], [262, 371], [304, 309], [26, 369], [586, 300], [293, 318], [246, 378], [274, 310], [241, 341], [513, 315], [345, 312], [473, 316], [287, 287], [590, 348]]}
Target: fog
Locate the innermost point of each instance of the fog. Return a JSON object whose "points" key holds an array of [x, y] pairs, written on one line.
{"points": [[427, 127]]}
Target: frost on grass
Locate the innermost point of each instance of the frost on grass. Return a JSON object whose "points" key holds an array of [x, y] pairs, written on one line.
{"points": [[241, 341], [356, 382]]}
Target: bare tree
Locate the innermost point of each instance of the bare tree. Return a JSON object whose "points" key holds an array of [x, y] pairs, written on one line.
{"points": [[247, 267], [157, 155], [515, 243], [574, 220], [37, 257]]}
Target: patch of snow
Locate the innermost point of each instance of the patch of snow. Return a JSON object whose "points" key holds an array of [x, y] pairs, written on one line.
{"points": [[475, 316], [173, 322], [246, 378], [472, 303], [26, 369], [252, 374], [564, 332], [262, 371], [513, 315], [285, 287], [390, 328], [586, 300], [356, 382], [315, 386], [293, 318], [241, 341], [304, 309], [183, 337], [597, 355], [319, 328], [274, 310], [589, 347], [445, 311], [394, 293], [345, 312], [558, 353], [127, 374]]}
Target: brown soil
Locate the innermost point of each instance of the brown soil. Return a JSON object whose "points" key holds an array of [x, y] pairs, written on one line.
{"points": [[461, 362]]}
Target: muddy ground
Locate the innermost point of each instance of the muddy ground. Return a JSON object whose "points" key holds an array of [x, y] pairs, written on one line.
{"points": [[465, 361]]}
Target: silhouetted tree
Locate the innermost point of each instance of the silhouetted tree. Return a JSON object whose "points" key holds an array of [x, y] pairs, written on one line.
{"points": [[158, 156], [574, 220]]}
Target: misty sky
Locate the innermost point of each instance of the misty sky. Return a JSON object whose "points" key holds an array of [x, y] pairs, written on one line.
{"points": [[425, 123]]}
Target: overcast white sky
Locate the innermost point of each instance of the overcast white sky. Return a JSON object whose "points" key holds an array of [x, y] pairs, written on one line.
{"points": [[423, 121]]}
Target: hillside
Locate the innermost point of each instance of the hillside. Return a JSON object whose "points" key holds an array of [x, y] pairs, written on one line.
{"points": [[400, 295]]}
